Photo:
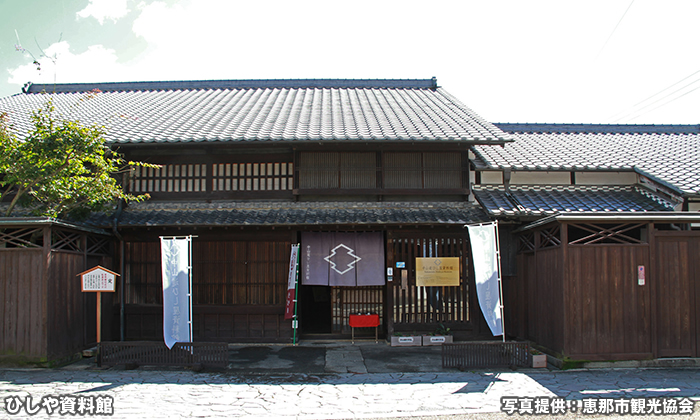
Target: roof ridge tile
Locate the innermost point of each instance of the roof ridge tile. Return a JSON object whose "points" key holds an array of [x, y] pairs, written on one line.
{"points": [[234, 84]]}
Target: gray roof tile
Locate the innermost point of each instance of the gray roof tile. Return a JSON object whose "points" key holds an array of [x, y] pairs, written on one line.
{"points": [[669, 153], [525, 200], [263, 110], [235, 213]]}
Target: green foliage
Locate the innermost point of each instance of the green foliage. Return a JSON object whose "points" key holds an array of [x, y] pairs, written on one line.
{"points": [[61, 169], [441, 330]]}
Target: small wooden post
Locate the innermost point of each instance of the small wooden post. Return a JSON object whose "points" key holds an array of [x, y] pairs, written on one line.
{"points": [[99, 317], [98, 279]]}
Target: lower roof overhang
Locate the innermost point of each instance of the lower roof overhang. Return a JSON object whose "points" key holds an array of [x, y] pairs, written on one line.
{"points": [[10, 222], [296, 214]]}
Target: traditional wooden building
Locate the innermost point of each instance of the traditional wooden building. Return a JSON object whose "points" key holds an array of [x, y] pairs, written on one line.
{"points": [[605, 242], [250, 167]]}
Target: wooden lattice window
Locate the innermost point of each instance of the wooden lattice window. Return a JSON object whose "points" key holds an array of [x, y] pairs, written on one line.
{"points": [[223, 273], [66, 241], [272, 176], [21, 238], [333, 170], [420, 305], [550, 237], [417, 170], [143, 273], [170, 178], [607, 233], [98, 245], [526, 242]]}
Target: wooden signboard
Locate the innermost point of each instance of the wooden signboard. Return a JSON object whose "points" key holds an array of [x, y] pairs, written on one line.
{"points": [[98, 279], [437, 271]]}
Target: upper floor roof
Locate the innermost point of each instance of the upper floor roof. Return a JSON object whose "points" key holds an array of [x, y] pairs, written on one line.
{"points": [[296, 111], [669, 153]]}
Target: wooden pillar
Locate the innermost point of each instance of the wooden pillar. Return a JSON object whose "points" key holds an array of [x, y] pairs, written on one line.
{"points": [[389, 288], [45, 290], [99, 316], [652, 283], [567, 325]]}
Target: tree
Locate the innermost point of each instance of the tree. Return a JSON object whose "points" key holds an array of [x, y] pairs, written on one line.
{"points": [[61, 168]]}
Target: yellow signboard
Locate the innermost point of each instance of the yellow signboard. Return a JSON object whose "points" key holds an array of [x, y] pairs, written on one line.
{"points": [[437, 271]]}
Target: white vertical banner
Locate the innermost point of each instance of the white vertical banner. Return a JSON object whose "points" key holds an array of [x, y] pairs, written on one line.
{"points": [[487, 273], [177, 286], [289, 312]]}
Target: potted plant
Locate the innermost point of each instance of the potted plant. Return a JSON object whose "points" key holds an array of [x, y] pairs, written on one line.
{"points": [[399, 339], [438, 337], [539, 359]]}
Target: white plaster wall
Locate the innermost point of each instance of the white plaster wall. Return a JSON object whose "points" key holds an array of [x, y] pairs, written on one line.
{"points": [[492, 177], [606, 178], [540, 178]]}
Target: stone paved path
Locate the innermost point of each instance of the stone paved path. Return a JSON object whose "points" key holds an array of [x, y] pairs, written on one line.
{"points": [[171, 394]]}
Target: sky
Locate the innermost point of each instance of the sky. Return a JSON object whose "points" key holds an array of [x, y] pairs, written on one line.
{"points": [[519, 61]]}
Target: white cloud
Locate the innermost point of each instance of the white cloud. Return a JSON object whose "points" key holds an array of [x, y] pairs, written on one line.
{"points": [[511, 61], [105, 9], [96, 64]]}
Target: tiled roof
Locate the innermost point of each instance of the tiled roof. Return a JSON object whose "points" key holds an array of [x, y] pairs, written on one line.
{"points": [[232, 213], [601, 128], [524, 200], [669, 153], [263, 110]]}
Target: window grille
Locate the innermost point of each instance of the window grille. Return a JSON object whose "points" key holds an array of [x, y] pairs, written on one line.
{"points": [[277, 176], [170, 178]]}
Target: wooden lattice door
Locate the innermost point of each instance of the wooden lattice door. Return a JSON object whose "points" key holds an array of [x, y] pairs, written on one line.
{"points": [[423, 308]]}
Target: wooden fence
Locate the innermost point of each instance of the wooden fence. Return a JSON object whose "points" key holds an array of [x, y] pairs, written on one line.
{"points": [[486, 354], [153, 353]]}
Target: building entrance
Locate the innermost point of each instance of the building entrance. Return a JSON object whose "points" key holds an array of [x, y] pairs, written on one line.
{"points": [[315, 313]]}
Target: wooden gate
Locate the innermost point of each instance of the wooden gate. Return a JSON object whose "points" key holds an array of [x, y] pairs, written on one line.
{"points": [[678, 294], [424, 308]]}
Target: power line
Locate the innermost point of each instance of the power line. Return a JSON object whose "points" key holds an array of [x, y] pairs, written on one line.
{"points": [[666, 103], [635, 108], [615, 29], [631, 109]]}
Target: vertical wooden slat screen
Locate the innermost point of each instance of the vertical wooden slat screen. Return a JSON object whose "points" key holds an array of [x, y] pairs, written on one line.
{"points": [[318, 170], [219, 273], [402, 170], [268, 263], [354, 300], [224, 273], [239, 290], [333, 170], [428, 305], [429, 170], [143, 275], [358, 170], [442, 170]]}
